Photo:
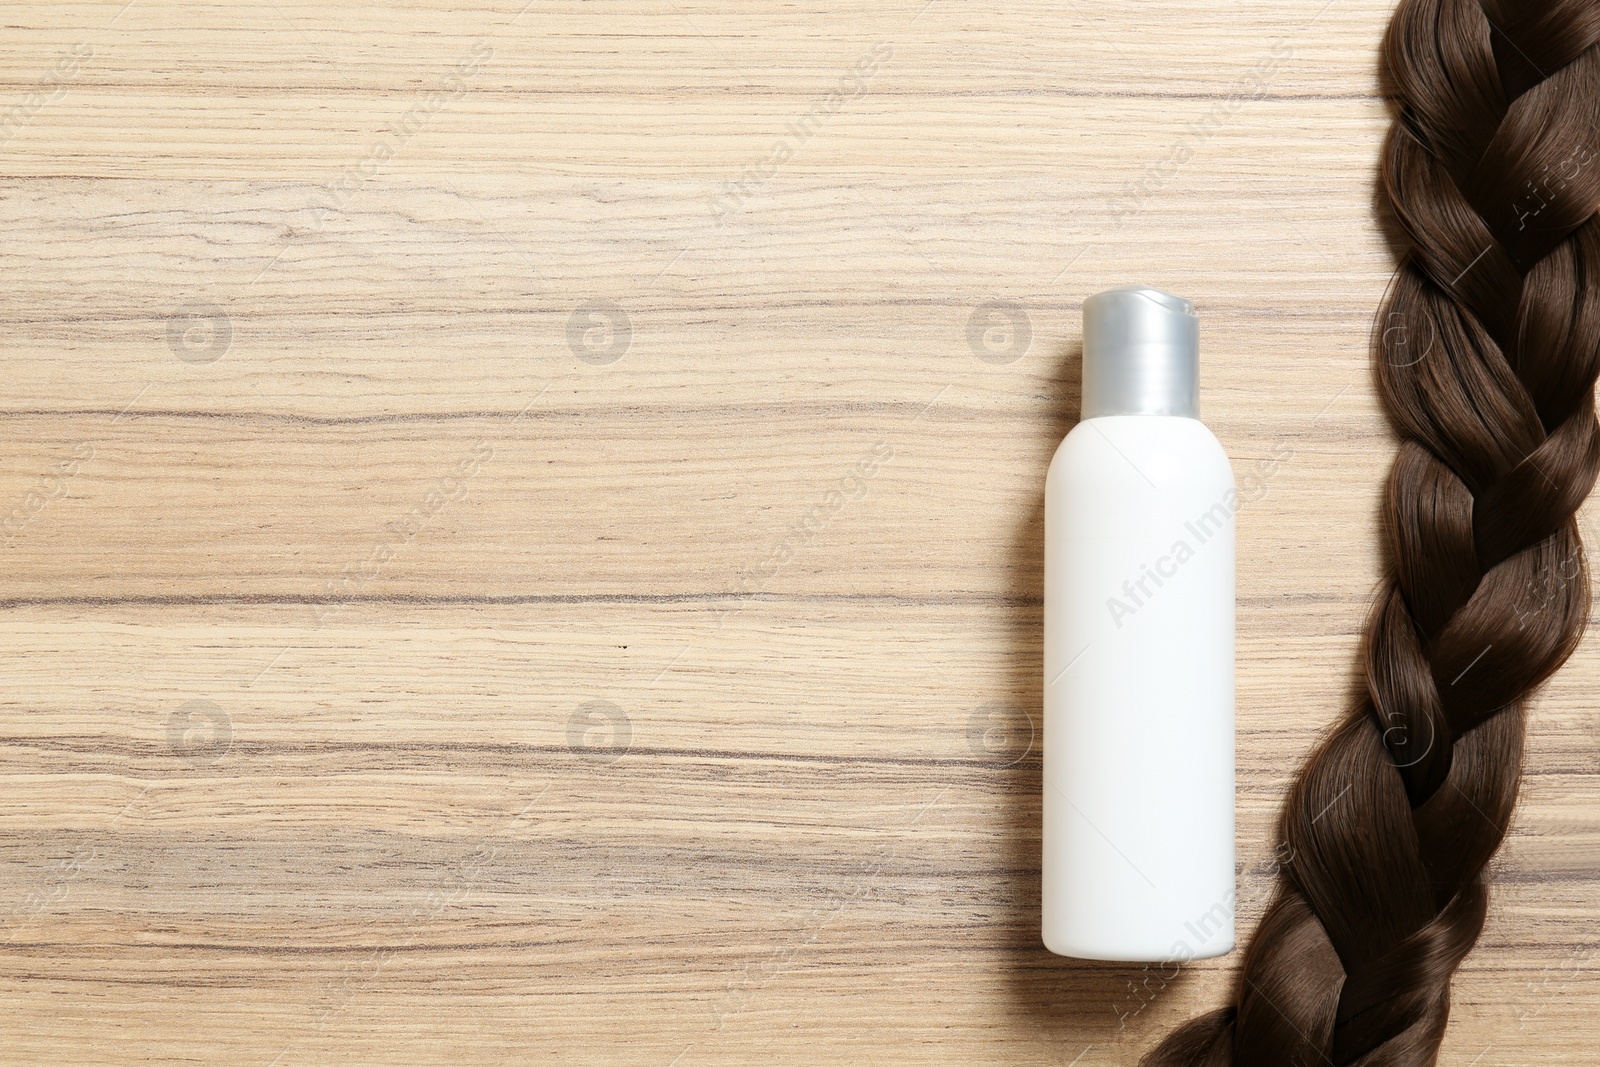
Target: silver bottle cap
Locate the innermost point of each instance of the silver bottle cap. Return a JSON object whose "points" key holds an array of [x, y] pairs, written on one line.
{"points": [[1141, 354]]}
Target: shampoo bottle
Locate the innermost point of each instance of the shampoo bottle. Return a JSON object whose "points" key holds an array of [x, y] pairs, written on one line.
{"points": [[1138, 650]]}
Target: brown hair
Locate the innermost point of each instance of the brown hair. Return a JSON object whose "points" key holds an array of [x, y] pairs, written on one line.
{"points": [[1486, 351]]}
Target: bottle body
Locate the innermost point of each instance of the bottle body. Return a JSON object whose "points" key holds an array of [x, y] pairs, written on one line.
{"points": [[1139, 692]]}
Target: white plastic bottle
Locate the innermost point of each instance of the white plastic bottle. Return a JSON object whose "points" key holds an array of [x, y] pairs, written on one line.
{"points": [[1139, 647]]}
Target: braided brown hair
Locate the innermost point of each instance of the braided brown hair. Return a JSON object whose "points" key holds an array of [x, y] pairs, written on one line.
{"points": [[1487, 350]]}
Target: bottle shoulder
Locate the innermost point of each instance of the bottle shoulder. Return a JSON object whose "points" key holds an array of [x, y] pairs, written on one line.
{"points": [[1157, 450]]}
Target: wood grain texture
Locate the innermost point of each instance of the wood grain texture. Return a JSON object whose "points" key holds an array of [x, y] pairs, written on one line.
{"points": [[507, 564]]}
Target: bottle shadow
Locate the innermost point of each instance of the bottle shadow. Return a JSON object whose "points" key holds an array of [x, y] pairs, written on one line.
{"points": [[1080, 1004]]}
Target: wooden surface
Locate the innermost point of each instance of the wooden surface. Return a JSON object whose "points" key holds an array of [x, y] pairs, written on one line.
{"points": [[507, 564]]}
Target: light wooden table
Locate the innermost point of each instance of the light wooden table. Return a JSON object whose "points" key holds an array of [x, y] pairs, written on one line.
{"points": [[522, 527]]}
